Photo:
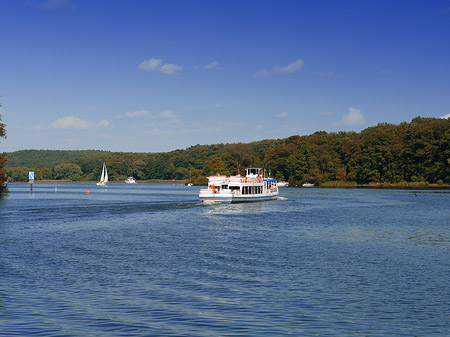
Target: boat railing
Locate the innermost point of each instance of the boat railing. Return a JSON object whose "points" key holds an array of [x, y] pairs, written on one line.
{"points": [[234, 179], [216, 191]]}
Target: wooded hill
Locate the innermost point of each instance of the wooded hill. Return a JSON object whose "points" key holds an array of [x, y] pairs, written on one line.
{"points": [[418, 151]]}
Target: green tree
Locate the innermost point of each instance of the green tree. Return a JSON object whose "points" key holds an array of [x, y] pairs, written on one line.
{"points": [[216, 165], [238, 157], [136, 168], [18, 174], [67, 171]]}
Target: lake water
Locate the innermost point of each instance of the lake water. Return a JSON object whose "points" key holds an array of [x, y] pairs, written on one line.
{"points": [[150, 260]]}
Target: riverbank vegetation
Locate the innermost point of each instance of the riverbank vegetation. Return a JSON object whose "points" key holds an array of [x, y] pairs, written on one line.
{"points": [[414, 153]]}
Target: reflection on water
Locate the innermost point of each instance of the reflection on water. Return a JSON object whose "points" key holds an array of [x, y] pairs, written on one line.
{"points": [[150, 259]]}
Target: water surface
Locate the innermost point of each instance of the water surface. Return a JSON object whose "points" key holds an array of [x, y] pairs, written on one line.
{"points": [[149, 259]]}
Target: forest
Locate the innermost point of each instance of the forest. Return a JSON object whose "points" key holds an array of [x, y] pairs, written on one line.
{"points": [[414, 152]]}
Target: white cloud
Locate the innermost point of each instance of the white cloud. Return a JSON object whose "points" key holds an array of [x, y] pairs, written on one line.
{"points": [[283, 114], [294, 67], [166, 114], [139, 113], [76, 123], [151, 64], [262, 73], [447, 116], [156, 65], [170, 69], [353, 117], [213, 66]]}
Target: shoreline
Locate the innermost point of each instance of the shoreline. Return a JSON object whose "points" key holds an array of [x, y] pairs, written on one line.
{"points": [[344, 185]]}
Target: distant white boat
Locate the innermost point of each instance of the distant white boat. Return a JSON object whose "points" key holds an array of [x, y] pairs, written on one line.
{"points": [[308, 185], [190, 178], [104, 178], [130, 180], [283, 184]]}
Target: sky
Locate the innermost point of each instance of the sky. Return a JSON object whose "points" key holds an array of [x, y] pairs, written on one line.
{"points": [[155, 76]]}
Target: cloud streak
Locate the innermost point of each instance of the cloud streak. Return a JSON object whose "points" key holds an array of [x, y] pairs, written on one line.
{"points": [[291, 68], [139, 113], [261, 73], [213, 66], [157, 66], [75, 123], [168, 114]]}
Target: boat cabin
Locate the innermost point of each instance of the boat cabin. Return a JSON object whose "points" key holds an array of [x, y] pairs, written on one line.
{"points": [[253, 172], [253, 183]]}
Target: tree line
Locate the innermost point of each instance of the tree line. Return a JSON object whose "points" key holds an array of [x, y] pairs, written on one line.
{"points": [[418, 151]]}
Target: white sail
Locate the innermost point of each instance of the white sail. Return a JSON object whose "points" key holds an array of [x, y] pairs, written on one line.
{"points": [[103, 173], [104, 178]]}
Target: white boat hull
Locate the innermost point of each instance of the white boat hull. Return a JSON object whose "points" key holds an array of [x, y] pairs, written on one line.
{"points": [[235, 199]]}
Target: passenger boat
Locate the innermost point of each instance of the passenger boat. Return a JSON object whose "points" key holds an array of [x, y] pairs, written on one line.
{"points": [[253, 187]]}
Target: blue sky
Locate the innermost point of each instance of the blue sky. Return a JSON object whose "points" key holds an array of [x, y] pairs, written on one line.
{"points": [[154, 76]]}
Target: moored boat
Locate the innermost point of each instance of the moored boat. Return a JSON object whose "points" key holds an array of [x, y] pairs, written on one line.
{"points": [[230, 189], [308, 185], [130, 180], [190, 178], [283, 184]]}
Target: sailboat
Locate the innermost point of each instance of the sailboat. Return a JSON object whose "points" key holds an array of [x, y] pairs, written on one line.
{"points": [[104, 178], [190, 178]]}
